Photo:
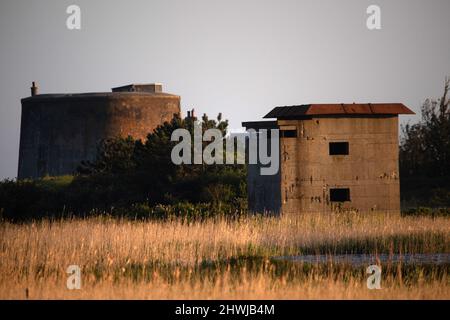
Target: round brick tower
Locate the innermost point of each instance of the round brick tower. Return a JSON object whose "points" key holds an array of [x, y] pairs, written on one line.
{"points": [[58, 131]]}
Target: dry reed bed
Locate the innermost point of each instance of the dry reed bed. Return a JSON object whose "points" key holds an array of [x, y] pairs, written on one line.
{"points": [[35, 255], [260, 287]]}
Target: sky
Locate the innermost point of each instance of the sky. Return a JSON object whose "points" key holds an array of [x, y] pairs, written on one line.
{"points": [[238, 57]]}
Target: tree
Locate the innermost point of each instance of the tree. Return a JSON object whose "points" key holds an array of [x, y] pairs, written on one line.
{"points": [[425, 155], [145, 169], [114, 155], [425, 146]]}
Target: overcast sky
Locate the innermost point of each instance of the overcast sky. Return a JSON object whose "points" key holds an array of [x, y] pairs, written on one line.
{"points": [[238, 57]]}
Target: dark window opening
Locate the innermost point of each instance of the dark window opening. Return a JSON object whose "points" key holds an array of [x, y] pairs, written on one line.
{"points": [[289, 133], [340, 194], [338, 148]]}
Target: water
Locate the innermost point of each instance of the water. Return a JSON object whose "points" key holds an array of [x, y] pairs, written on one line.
{"points": [[366, 259]]}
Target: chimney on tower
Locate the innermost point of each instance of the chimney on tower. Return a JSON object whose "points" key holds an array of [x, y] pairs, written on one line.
{"points": [[34, 89]]}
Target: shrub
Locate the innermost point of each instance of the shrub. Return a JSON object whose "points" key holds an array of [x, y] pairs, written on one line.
{"points": [[184, 210], [132, 177], [426, 211]]}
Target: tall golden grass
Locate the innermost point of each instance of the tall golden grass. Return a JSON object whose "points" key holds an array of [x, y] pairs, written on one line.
{"points": [[219, 258]]}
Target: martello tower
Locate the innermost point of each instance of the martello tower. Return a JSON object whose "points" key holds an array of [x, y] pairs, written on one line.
{"points": [[58, 131]]}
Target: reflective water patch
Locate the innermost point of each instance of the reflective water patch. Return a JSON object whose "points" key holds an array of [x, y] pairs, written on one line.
{"points": [[367, 259]]}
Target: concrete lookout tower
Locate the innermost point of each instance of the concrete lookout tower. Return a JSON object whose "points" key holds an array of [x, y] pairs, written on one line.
{"points": [[58, 131], [332, 157]]}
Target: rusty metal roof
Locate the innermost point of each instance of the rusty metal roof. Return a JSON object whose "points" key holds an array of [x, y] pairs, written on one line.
{"points": [[339, 109]]}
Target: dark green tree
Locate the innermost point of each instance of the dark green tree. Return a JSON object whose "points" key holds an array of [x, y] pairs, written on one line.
{"points": [[146, 168], [114, 156], [425, 155], [425, 146]]}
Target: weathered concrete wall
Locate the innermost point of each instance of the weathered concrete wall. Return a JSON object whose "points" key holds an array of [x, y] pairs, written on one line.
{"points": [[58, 131], [370, 170], [263, 191]]}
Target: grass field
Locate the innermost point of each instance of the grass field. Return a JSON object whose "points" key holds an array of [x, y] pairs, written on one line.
{"points": [[220, 259]]}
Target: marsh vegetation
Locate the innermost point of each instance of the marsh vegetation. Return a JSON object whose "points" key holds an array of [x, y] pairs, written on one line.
{"points": [[222, 258]]}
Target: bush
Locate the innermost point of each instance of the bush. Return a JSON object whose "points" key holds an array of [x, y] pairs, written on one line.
{"points": [[19, 199], [440, 197], [132, 177], [426, 211], [116, 195], [184, 210], [25, 199]]}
